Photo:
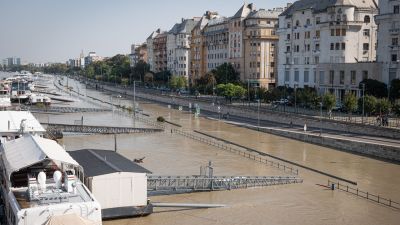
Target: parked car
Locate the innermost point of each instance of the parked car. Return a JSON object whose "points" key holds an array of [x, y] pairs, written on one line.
{"points": [[282, 101]]}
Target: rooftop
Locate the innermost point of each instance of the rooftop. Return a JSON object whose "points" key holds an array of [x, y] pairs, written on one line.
{"points": [[101, 162], [10, 123]]}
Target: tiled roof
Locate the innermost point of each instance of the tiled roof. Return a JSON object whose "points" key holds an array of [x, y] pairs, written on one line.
{"points": [[185, 27], [263, 14], [244, 10]]}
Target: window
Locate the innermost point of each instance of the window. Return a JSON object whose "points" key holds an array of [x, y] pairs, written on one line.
{"points": [[308, 22], [332, 46], [343, 46], [394, 57], [288, 60], [337, 32], [367, 19], [317, 33], [307, 60], [396, 9], [296, 60], [353, 77], [342, 77], [366, 32], [288, 48], [296, 76], [307, 35], [288, 25], [321, 77], [395, 41], [288, 37], [365, 74], [343, 32], [318, 20], [331, 76], [308, 47], [316, 47], [297, 23], [316, 59], [332, 32], [306, 76], [287, 75], [365, 46], [337, 46]]}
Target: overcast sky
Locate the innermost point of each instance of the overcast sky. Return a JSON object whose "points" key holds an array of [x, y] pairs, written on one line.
{"points": [[56, 30]]}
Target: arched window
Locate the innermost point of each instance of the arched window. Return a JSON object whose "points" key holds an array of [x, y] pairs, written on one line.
{"points": [[367, 19], [297, 23]]}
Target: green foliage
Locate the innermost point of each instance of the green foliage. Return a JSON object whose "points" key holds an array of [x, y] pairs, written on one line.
{"points": [[230, 91], [374, 88], [140, 70], [206, 83], [177, 82], [395, 89], [329, 101], [225, 74], [306, 96], [396, 109], [369, 104], [382, 106], [350, 102]]}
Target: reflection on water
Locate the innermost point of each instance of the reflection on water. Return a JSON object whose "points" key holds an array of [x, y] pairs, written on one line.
{"points": [[307, 203]]}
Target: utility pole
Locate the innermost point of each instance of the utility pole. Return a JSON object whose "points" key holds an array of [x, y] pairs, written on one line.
{"points": [[363, 108]]}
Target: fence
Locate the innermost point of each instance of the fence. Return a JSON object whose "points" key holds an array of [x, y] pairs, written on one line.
{"points": [[372, 197], [245, 154]]}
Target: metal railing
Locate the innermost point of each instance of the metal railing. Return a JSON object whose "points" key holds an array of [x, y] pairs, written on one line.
{"points": [[100, 129], [242, 153], [215, 183], [365, 194]]}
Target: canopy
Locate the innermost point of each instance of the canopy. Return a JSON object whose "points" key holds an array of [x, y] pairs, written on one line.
{"points": [[28, 150], [68, 220], [10, 122]]}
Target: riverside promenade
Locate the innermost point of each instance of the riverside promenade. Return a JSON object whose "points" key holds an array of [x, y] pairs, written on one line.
{"points": [[377, 142]]}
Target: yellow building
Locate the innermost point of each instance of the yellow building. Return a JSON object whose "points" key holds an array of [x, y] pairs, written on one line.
{"points": [[260, 48]]}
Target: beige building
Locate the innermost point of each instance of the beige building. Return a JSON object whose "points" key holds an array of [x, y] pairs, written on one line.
{"points": [[260, 47], [160, 52], [236, 29], [197, 67], [150, 49], [388, 50]]}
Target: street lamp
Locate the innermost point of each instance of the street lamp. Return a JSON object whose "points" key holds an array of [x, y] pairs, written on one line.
{"points": [[363, 106], [295, 97], [320, 118]]}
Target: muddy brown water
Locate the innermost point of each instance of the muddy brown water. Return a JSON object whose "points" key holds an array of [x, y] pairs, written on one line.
{"points": [[307, 203]]}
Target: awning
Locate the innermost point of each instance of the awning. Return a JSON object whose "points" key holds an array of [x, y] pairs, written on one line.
{"points": [[29, 150], [69, 219]]}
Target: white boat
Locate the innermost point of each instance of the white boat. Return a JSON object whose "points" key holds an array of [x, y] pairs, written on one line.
{"points": [[20, 91], [5, 100], [39, 98], [40, 181]]}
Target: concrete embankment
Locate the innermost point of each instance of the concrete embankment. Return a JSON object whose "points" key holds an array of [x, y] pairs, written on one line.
{"points": [[381, 151]]}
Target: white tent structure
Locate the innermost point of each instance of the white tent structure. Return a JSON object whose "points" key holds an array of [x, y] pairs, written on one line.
{"points": [[11, 123]]}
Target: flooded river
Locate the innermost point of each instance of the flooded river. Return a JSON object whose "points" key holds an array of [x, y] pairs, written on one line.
{"points": [[307, 203]]}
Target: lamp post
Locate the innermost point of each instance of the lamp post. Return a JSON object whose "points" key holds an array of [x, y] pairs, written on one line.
{"points": [[320, 118], [295, 97]]}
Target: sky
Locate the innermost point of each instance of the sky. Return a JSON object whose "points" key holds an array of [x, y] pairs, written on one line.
{"points": [[42, 31]]}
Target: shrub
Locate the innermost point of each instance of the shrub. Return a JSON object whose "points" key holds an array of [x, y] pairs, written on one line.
{"points": [[160, 119]]}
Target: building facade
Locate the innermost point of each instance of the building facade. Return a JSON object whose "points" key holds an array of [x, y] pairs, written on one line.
{"points": [[150, 49], [236, 29], [197, 67], [260, 47], [178, 47], [160, 52], [138, 53], [216, 36], [314, 32], [388, 49]]}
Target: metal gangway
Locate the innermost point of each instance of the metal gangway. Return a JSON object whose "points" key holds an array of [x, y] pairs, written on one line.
{"points": [[157, 185]]}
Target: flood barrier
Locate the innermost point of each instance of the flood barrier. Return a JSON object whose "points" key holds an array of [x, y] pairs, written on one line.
{"points": [[245, 154], [364, 194], [279, 158], [100, 129]]}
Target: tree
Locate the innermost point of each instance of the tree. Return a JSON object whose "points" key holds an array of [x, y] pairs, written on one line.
{"points": [[306, 96], [374, 88], [230, 91], [369, 104], [396, 109], [177, 82], [350, 102], [206, 83], [382, 106], [394, 89], [225, 74], [329, 101]]}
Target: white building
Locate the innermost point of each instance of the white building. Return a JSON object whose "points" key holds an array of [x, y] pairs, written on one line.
{"points": [[313, 32], [216, 34], [388, 49], [178, 47], [150, 51]]}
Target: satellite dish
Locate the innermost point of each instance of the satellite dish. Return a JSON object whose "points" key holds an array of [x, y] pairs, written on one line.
{"points": [[41, 179], [57, 178]]}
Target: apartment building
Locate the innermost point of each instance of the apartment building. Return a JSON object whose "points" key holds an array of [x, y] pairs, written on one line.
{"points": [[178, 46], [150, 49], [216, 35], [388, 49], [315, 35], [160, 52], [197, 67], [236, 29], [260, 47]]}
